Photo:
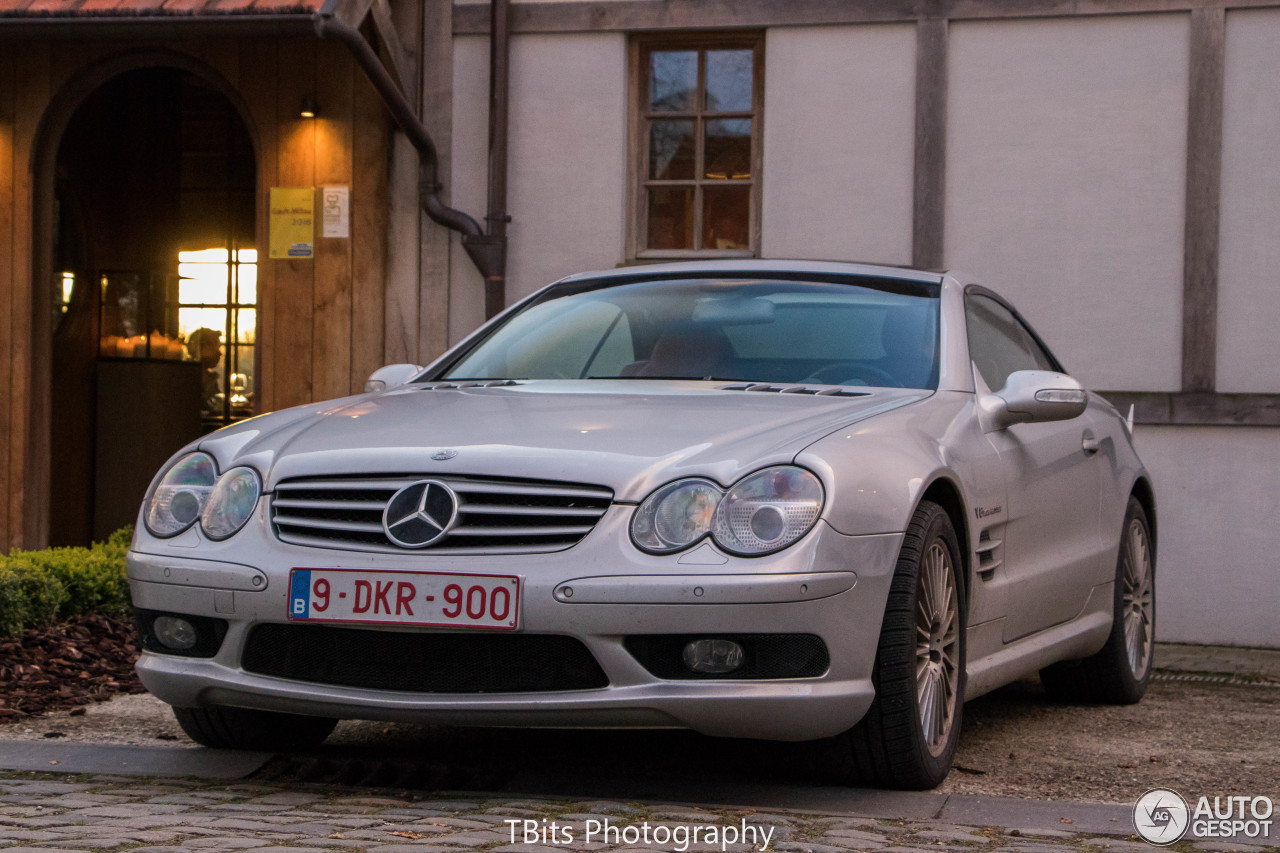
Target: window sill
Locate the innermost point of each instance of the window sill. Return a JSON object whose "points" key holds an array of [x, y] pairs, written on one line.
{"points": [[649, 256]]}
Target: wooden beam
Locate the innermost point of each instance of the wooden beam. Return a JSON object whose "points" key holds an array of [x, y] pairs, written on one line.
{"points": [[637, 15], [1204, 191], [1198, 409], [931, 144], [402, 66]]}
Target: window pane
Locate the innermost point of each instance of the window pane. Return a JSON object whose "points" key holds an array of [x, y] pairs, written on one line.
{"points": [[726, 212], [671, 217], [671, 150], [673, 79], [245, 325], [729, 79], [728, 151], [997, 343]]}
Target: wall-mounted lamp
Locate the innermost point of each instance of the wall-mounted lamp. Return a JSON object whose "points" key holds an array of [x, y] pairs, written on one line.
{"points": [[310, 107]]}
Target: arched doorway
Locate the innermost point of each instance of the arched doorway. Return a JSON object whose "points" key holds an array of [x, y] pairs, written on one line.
{"points": [[153, 288]]}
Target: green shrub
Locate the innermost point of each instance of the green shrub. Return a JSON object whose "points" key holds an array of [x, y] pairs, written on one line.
{"points": [[38, 587]]}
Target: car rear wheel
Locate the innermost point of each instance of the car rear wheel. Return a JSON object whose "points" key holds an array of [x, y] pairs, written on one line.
{"points": [[242, 728], [1118, 675], [908, 737]]}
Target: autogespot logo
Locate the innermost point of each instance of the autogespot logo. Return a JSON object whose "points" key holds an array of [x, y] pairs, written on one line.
{"points": [[1161, 816]]}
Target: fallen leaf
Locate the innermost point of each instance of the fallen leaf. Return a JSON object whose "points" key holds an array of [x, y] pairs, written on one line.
{"points": [[414, 836], [1065, 820]]}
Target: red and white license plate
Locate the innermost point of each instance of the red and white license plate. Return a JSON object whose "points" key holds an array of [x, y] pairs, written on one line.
{"points": [[404, 598]]}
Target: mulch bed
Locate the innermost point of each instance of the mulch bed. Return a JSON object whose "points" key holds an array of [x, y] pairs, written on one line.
{"points": [[69, 665]]}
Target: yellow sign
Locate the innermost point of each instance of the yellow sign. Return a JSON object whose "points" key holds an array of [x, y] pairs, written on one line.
{"points": [[293, 227]]}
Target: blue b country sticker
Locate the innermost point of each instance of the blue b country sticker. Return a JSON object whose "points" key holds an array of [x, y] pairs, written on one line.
{"points": [[300, 594]]}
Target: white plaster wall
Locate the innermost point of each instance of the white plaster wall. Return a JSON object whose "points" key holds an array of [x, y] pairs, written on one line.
{"points": [[1066, 181], [1249, 251], [567, 172], [839, 125], [469, 177], [1218, 496]]}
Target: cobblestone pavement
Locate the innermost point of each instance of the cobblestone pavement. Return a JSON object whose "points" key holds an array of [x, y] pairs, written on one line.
{"points": [[41, 813]]}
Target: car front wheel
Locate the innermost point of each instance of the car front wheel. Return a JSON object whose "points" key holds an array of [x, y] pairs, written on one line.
{"points": [[243, 728], [908, 737], [1118, 675]]}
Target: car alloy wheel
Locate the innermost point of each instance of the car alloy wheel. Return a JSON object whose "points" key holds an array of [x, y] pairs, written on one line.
{"points": [[937, 647], [1138, 597]]}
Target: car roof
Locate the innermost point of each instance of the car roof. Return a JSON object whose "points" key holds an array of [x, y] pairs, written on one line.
{"points": [[763, 266]]}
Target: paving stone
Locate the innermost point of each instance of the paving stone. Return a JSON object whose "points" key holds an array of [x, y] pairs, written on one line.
{"points": [[104, 843], [1039, 833], [610, 807], [412, 848], [29, 787], [452, 805], [511, 811], [159, 850], [130, 811], [225, 843], [41, 850], [955, 835], [1215, 846], [855, 835], [527, 848], [37, 835], [808, 847], [287, 798], [1038, 848], [1120, 844]]}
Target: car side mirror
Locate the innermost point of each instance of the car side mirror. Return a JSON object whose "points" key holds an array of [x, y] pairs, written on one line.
{"points": [[1034, 396], [390, 376]]}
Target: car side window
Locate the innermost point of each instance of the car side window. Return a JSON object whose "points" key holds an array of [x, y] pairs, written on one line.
{"points": [[998, 343]]}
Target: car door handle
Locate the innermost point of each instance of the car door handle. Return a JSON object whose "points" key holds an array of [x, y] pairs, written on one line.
{"points": [[1089, 443]]}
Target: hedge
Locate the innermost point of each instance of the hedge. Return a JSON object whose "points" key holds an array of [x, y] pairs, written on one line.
{"points": [[40, 587]]}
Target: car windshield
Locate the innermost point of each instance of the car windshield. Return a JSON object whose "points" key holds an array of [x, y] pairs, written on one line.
{"points": [[852, 331]]}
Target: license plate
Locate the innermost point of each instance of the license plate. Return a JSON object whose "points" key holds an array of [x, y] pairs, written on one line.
{"points": [[404, 598]]}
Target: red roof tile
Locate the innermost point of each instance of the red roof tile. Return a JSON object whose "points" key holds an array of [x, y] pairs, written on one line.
{"points": [[152, 8]]}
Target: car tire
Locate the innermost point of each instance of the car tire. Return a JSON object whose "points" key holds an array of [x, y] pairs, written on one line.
{"points": [[906, 741], [243, 728], [1120, 672]]}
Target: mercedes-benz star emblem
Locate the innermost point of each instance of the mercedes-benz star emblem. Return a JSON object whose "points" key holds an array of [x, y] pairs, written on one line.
{"points": [[420, 514], [442, 455]]}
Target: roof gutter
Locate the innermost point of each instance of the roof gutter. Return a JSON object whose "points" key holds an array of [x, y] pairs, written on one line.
{"points": [[487, 251]]}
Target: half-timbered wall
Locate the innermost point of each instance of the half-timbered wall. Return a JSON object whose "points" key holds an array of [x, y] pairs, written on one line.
{"points": [[1113, 167]]}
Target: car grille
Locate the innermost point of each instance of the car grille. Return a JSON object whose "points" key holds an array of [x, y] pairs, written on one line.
{"points": [[422, 662], [494, 516]]}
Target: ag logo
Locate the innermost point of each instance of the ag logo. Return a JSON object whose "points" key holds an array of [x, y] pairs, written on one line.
{"points": [[1161, 816]]}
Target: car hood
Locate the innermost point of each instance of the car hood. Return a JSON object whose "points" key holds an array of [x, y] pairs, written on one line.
{"points": [[630, 436]]}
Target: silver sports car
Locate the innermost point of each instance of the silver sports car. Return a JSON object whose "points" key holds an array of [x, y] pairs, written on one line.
{"points": [[765, 499]]}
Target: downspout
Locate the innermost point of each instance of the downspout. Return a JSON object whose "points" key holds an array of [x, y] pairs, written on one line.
{"points": [[488, 255], [495, 287]]}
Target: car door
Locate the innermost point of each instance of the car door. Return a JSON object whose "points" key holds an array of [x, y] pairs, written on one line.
{"points": [[1052, 540]]}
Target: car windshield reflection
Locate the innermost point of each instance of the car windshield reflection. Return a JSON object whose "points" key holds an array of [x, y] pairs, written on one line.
{"points": [[861, 332]]}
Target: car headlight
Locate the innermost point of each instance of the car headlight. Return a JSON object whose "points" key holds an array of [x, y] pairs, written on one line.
{"points": [[181, 495], [675, 516], [231, 503], [768, 510], [762, 513]]}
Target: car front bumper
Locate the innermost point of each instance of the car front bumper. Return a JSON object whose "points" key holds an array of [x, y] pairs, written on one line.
{"points": [[829, 585]]}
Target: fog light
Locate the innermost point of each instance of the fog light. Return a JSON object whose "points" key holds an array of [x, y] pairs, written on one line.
{"points": [[174, 633], [713, 657]]}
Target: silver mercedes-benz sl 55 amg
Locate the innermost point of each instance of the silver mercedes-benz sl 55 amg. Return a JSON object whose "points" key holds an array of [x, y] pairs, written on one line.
{"points": [[765, 499]]}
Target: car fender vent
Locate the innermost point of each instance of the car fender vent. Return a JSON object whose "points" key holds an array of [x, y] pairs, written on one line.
{"points": [[809, 390]]}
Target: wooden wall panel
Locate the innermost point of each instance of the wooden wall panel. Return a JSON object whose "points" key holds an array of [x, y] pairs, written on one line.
{"points": [[331, 320], [370, 193], [257, 83], [294, 279], [7, 279], [25, 527]]}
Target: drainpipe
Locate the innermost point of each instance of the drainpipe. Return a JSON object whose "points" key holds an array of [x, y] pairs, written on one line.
{"points": [[495, 286], [485, 251]]}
